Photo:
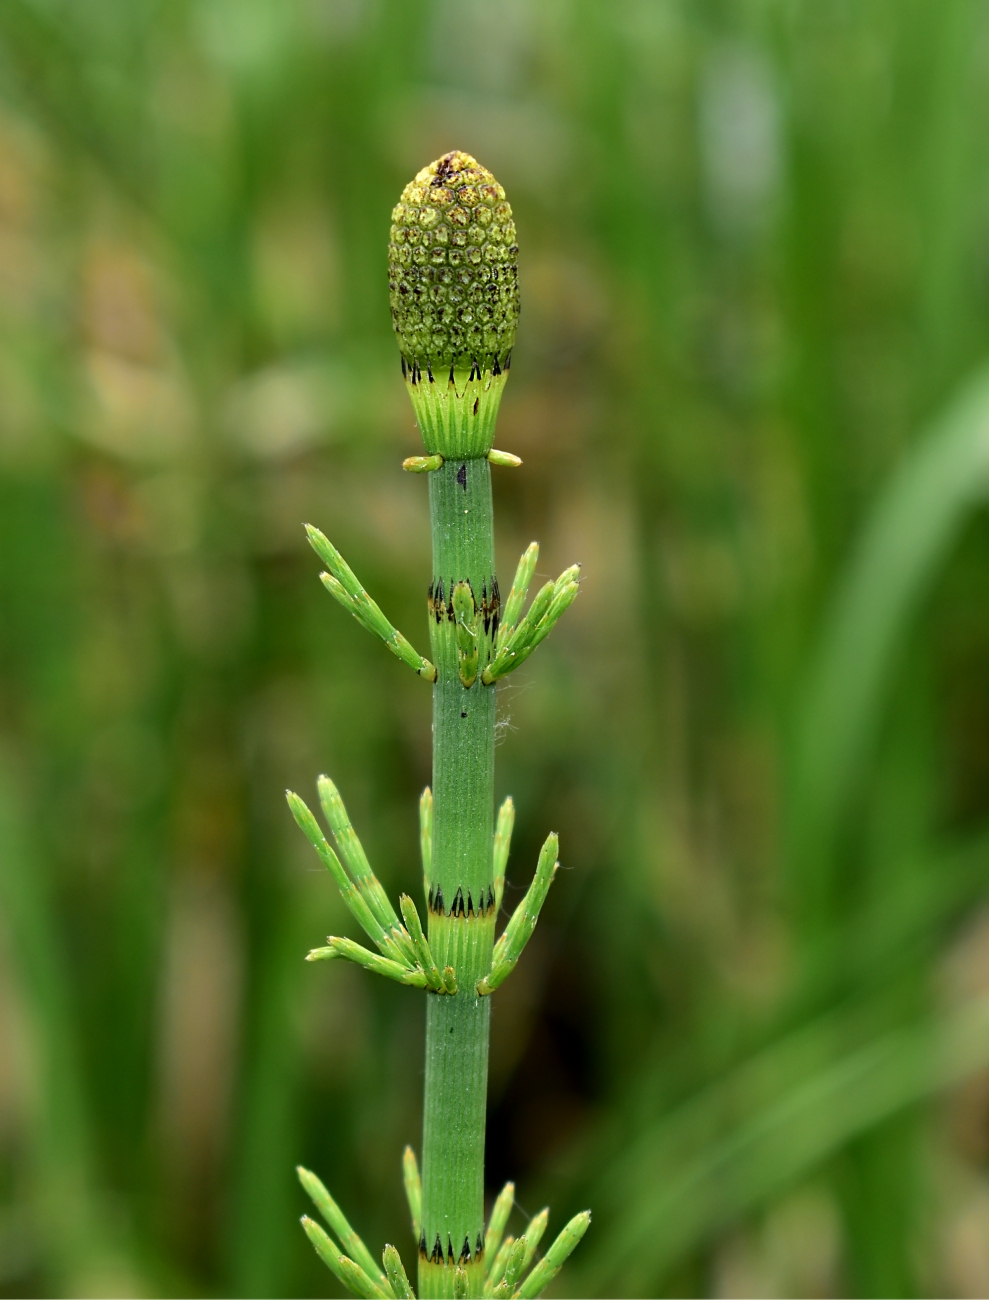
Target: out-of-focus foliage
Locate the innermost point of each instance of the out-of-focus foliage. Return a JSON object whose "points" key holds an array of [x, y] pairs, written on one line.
{"points": [[752, 1029]]}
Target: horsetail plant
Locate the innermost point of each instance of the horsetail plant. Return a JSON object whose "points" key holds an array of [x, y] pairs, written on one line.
{"points": [[453, 273]]}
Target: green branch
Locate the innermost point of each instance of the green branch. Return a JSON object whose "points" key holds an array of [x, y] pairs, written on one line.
{"points": [[519, 930], [518, 638], [340, 582], [405, 953]]}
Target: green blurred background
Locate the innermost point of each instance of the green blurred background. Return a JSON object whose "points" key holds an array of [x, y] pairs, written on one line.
{"points": [[752, 1030]]}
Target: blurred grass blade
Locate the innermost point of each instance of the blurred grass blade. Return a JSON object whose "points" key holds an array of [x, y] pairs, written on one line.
{"points": [[78, 1239], [772, 1122], [917, 519]]}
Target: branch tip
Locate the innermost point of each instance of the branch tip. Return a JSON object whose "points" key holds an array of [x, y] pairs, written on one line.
{"points": [[504, 458], [422, 464]]}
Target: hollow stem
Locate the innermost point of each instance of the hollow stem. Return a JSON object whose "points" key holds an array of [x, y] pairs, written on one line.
{"points": [[461, 884]]}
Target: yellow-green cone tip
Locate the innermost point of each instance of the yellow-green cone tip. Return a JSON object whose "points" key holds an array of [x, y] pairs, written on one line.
{"points": [[453, 270]]}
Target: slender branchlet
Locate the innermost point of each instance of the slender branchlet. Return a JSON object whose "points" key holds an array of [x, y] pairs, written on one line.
{"points": [[426, 838], [413, 1189], [519, 930], [349, 1273], [341, 583], [397, 1277], [499, 1262], [533, 1235], [555, 1257], [453, 280], [514, 1266], [337, 1220], [502, 843]]}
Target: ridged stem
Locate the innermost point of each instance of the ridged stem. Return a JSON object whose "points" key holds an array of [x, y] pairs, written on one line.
{"points": [[461, 899]]}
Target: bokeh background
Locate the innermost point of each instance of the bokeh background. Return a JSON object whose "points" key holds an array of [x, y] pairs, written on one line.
{"points": [[752, 1030]]}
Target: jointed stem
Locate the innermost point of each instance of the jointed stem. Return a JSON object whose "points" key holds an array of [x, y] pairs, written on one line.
{"points": [[461, 886], [454, 299]]}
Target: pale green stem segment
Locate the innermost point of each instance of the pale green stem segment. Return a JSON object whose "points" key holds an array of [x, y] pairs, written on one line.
{"points": [[519, 930], [460, 1282], [336, 946], [351, 1275], [426, 838], [398, 1279], [549, 605], [502, 843], [555, 1257], [413, 1189], [341, 583], [337, 1220]]}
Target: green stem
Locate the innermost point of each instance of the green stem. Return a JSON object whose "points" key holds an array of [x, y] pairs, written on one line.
{"points": [[461, 893]]}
